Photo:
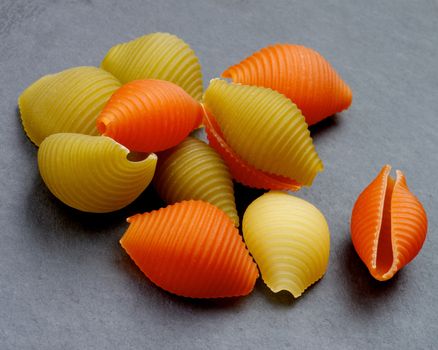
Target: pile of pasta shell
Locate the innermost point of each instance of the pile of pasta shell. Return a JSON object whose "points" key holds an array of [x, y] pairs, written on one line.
{"points": [[104, 134]]}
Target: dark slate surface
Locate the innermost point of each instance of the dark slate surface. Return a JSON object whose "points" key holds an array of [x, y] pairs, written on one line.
{"points": [[66, 284]]}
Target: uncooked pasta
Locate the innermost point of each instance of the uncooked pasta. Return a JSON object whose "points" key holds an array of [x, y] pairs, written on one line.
{"points": [[68, 101], [93, 173], [194, 170], [388, 225], [265, 129], [156, 56], [149, 115], [289, 239], [191, 249], [298, 72]]}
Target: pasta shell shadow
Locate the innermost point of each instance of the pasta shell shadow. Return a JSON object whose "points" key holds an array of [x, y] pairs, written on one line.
{"points": [[75, 223], [364, 292], [149, 289], [318, 131]]}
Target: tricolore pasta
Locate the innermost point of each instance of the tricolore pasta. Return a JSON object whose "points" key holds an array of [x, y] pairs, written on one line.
{"points": [[191, 249], [149, 115], [92, 173], [265, 129], [68, 101], [240, 170], [388, 225], [298, 72], [289, 239], [161, 56], [194, 170]]}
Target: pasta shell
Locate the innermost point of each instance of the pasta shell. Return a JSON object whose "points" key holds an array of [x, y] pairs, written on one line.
{"points": [[191, 249], [265, 129], [156, 56], [149, 115], [289, 239], [388, 225], [92, 173], [68, 101], [301, 74], [193, 170], [240, 170]]}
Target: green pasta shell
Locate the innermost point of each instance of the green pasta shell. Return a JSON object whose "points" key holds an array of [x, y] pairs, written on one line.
{"points": [[194, 170], [265, 129], [68, 101], [161, 56], [93, 173]]}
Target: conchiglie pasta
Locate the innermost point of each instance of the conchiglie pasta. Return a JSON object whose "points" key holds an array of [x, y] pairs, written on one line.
{"points": [[149, 115], [289, 239], [92, 173], [388, 225], [265, 129], [240, 170], [298, 72], [156, 56], [68, 101], [193, 170], [191, 249]]}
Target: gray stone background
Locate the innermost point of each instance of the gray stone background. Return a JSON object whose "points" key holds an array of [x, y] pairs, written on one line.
{"points": [[66, 284]]}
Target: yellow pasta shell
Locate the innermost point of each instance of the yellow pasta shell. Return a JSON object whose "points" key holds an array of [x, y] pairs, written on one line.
{"points": [[265, 129], [68, 101], [194, 170], [156, 56], [289, 239], [92, 173]]}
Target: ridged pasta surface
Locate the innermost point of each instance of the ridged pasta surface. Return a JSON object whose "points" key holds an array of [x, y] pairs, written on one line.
{"points": [[194, 170], [388, 225], [298, 72], [156, 56], [68, 101], [92, 173], [191, 249], [289, 239], [265, 129], [149, 115], [240, 170]]}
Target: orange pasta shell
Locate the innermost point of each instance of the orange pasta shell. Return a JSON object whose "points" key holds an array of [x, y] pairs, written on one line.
{"points": [[191, 249], [149, 115], [240, 170], [298, 72], [388, 225]]}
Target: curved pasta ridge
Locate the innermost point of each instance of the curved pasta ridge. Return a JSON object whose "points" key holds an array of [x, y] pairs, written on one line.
{"points": [[68, 101], [161, 56], [240, 170], [388, 225], [194, 170], [300, 73], [92, 173], [265, 129], [289, 239], [191, 249], [149, 115]]}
